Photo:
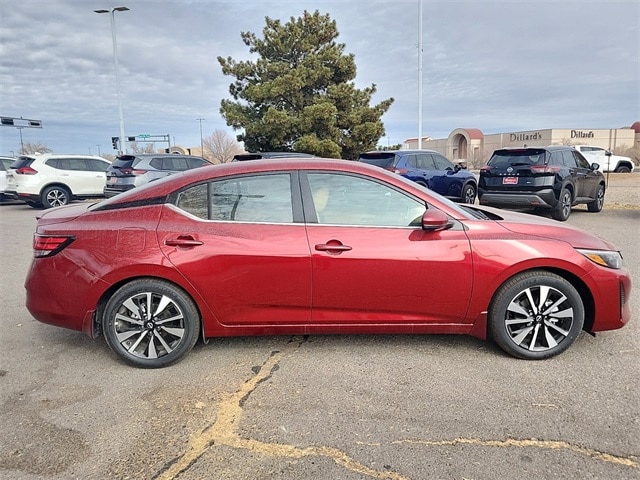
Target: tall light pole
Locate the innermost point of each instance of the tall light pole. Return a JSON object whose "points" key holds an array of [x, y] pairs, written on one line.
{"points": [[201, 144], [112, 11], [420, 74]]}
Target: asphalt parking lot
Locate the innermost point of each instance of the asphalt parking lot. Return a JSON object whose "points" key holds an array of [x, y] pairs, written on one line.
{"points": [[322, 407]]}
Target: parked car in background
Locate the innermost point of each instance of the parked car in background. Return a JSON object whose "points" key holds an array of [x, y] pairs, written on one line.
{"points": [[130, 171], [607, 161], [552, 178], [429, 169], [51, 180], [240, 157], [5, 163], [313, 246]]}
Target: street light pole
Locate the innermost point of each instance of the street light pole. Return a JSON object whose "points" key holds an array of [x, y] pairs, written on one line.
{"points": [[112, 11], [201, 144]]}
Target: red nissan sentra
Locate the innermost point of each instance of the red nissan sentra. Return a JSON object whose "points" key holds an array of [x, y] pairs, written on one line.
{"points": [[315, 246]]}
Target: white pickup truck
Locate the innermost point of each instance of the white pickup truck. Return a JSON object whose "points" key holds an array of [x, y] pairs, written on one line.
{"points": [[608, 161]]}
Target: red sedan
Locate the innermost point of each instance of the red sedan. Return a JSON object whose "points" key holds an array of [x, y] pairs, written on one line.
{"points": [[312, 246]]}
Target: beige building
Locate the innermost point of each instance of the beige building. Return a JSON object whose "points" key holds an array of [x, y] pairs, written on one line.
{"points": [[475, 147]]}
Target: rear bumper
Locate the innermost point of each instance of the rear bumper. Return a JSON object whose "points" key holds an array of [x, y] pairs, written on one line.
{"points": [[540, 199], [27, 197], [115, 190]]}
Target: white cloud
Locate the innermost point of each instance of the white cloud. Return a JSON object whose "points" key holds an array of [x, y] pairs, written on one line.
{"points": [[493, 65]]}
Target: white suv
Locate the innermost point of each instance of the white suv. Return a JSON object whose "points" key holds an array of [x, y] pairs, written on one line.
{"points": [[607, 161], [50, 180]]}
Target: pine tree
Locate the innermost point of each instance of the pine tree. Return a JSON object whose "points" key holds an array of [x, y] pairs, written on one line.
{"points": [[299, 95]]}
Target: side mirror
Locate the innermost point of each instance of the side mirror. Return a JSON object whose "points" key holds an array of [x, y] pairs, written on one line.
{"points": [[433, 220], [457, 167], [608, 153], [595, 166]]}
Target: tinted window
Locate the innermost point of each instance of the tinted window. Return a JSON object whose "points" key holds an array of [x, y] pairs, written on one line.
{"points": [[425, 161], [195, 162], [22, 162], [412, 161], [568, 159], [176, 163], [582, 162], [509, 158], [261, 198], [379, 159], [441, 162], [194, 201], [350, 200], [96, 165], [77, 164]]}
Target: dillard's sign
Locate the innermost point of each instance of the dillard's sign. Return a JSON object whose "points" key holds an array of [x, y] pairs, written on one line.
{"points": [[520, 137], [581, 134]]}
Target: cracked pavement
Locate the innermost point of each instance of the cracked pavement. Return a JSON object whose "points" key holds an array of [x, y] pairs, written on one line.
{"points": [[325, 407]]}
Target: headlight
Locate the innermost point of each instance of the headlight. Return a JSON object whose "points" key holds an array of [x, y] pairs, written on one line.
{"points": [[606, 258]]}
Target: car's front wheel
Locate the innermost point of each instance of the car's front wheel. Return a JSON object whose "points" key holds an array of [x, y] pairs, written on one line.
{"points": [[55, 196], [151, 323], [563, 208], [536, 315], [598, 203]]}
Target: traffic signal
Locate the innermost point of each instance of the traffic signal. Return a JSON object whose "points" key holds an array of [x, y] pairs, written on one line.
{"points": [[114, 142]]}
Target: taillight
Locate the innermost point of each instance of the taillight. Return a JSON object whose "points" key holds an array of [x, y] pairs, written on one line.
{"points": [[131, 171], [545, 169], [49, 245], [26, 171]]}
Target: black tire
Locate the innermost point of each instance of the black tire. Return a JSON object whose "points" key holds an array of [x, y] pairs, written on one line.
{"points": [[164, 337], [623, 169], [55, 196], [523, 329], [563, 209], [469, 192], [598, 203]]}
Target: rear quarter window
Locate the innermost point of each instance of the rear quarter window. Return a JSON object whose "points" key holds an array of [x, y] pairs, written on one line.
{"points": [[383, 160]]}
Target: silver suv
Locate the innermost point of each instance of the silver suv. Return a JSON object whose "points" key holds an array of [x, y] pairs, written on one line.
{"points": [[51, 180], [130, 171]]}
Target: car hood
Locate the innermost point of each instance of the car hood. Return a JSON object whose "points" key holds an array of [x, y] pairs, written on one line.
{"points": [[536, 226], [62, 214]]}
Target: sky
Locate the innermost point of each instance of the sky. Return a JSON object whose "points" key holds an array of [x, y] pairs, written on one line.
{"points": [[498, 66]]}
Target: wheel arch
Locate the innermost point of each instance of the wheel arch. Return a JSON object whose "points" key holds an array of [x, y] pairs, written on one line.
{"points": [[481, 330], [104, 299], [57, 184]]}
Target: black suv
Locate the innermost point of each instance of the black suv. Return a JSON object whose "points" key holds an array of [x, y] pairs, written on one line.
{"points": [[552, 178]]}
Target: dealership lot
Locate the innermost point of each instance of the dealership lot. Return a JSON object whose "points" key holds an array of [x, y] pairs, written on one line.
{"points": [[348, 407]]}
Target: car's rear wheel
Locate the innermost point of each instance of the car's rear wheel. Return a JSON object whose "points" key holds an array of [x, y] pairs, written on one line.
{"points": [[598, 203], [536, 315], [150, 323], [55, 196], [623, 169], [563, 208], [469, 193]]}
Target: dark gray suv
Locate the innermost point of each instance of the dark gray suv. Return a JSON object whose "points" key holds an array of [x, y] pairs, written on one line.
{"points": [[130, 171], [551, 178]]}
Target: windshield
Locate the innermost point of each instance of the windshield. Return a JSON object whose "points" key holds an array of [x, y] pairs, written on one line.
{"points": [[510, 158]]}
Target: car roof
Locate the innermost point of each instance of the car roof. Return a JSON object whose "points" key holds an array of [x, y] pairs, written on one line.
{"points": [[260, 155], [167, 185], [399, 151]]}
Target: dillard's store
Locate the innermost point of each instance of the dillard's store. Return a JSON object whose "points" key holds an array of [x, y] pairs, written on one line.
{"points": [[475, 147]]}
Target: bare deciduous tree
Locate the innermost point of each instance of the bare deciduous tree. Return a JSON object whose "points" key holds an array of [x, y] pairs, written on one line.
{"points": [[220, 147], [147, 148], [37, 147]]}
